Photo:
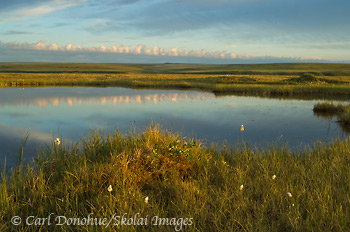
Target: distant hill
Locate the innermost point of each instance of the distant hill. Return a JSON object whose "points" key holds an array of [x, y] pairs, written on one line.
{"points": [[320, 69]]}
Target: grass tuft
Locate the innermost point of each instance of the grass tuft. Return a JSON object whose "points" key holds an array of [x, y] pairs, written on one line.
{"points": [[328, 107], [331, 109]]}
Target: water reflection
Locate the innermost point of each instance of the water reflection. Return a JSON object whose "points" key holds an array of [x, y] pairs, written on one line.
{"points": [[121, 99], [70, 113], [332, 116]]}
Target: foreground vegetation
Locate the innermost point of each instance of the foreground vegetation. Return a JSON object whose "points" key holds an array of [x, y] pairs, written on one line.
{"points": [[157, 173], [265, 80]]}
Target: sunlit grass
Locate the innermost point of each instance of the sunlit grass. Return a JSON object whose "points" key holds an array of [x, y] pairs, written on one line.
{"points": [[281, 80], [157, 173], [260, 85]]}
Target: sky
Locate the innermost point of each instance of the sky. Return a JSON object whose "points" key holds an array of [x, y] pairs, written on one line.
{"points": [[182, 31]]}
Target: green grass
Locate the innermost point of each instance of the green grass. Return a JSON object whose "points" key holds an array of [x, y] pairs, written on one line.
{"points": [[183, 179], [331, 109], [319, 69], [344, 117]]}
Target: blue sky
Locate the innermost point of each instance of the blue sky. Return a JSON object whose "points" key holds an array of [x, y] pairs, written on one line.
{"points": [[196, 31]]}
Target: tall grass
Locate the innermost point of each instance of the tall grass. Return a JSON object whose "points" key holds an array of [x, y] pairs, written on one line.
{"points": [[329, 107], [339, 110], [344, 117], [182, 179]]}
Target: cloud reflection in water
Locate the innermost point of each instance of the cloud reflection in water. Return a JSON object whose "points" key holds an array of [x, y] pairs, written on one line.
{"points": [[122, 99]]}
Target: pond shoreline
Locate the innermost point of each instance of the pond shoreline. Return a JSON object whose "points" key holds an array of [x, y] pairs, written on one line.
{"points": [[274, 80]]}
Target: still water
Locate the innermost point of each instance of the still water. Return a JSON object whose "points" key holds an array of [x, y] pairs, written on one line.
{"points": [[70, 113]]}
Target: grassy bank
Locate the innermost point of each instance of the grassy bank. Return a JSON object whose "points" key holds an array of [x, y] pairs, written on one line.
{"points": [[263, 85], [157, 173], [288, 80]]}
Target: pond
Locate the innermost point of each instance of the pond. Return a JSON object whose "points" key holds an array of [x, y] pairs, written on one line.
{"points": [[71, 112]]}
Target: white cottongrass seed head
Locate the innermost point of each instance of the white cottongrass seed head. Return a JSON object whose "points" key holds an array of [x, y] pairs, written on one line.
{"points": [[289, 194], [57, 141], [274, 177], [241, 187], [110, 188], [146, 200]]}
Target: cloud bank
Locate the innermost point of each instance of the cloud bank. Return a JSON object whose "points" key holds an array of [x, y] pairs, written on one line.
{"points": [[138, 50], [53, 52]]}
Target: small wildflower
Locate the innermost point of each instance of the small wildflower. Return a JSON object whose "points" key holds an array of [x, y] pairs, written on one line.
{"points": [[289, 194], [274, 177], [241, 187], [109, 188], [293, 204], [242, 128], [57, 141], [146, 200]]}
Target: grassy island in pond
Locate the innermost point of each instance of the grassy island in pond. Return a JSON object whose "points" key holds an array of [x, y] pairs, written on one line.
{"points": [[190, 187], [259, 79], [330, 109]]}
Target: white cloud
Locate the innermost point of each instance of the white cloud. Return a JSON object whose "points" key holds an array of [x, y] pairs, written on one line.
{"points": [[52, 52], [138, 50], [53, 47]]}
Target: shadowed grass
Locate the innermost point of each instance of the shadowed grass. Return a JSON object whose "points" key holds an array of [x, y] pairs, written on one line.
{"points": [[331, 109], [344, 117], [182, 180]]}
